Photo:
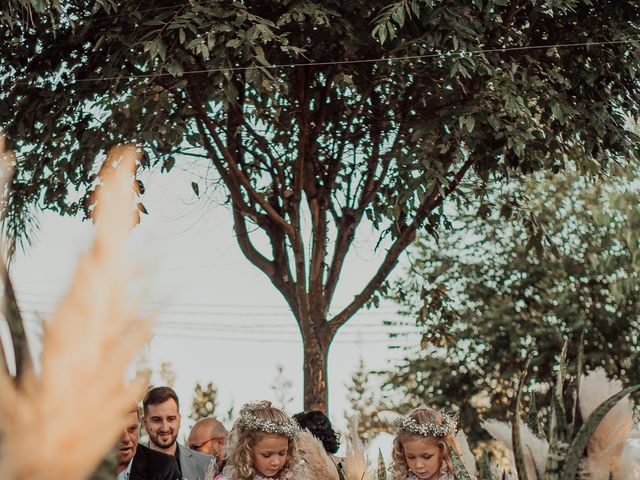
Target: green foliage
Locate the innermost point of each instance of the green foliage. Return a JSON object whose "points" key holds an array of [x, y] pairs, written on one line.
{"points": [[567, 458], [302, 110], [364, 405], [281, 387], [459, 470], [126, 71], [486, 297], [484, 467], [204, 402], [381, 470], [516, 438]]}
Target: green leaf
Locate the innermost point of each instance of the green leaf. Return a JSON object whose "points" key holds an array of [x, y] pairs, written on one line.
{"points": [[459, 470], [168, 164], [533, 421], [516, 439], [382, 468], [398, 16], [382, 33], [142, 208], [484, 472], [415, 8]]}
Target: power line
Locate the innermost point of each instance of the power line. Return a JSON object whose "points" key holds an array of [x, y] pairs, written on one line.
{"points": [[275, 328], [460, 53], [165, 313], [391, 342], [57, 297]]}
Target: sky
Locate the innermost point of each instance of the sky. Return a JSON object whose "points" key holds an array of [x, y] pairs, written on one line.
{"points": [[218, 317]]}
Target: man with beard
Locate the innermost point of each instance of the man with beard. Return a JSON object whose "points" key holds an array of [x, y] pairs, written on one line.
{"points": [[137, 462], [161, 419]]}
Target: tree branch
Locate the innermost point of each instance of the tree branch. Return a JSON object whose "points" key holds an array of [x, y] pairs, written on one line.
{"points": [[402, 241], [16, 324], [298, 185], [237, 174], [247, 248]]}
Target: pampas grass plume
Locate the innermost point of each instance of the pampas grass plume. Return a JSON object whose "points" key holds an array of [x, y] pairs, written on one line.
{"points": [[536, 450], [355, 463], [60, 422], [606, 445], [318, 464], [630, 460]]}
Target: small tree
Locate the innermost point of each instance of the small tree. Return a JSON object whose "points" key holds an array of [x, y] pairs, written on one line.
{"points": [[281, 387], [205, 401], [364, 404], [167, 373], [559, 259]]}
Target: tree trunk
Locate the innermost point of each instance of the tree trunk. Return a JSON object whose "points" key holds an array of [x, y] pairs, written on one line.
{"points": [[315, 374]]}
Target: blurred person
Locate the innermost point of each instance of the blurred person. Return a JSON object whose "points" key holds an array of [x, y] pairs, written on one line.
{"points": [[209, 436], [161, 420]]}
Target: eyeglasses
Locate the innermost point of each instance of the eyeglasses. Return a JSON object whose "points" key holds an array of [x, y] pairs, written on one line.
{"points": [[196, 447]]}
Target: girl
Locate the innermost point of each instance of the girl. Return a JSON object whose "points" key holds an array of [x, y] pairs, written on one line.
{"points": [[262, 445], [422, 446]]}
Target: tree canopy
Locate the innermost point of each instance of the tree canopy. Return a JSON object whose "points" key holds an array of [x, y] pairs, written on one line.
{"points": [[321, 118], [560, 260]]}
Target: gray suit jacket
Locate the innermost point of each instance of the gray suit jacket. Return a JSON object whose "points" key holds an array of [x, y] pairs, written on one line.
{"points": [[196, 465]]}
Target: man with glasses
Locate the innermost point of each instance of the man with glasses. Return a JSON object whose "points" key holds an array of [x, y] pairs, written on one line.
{"points": [[210, 437]]}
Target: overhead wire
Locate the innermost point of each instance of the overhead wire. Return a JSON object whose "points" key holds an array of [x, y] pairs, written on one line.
{"points": [[460, 53]]}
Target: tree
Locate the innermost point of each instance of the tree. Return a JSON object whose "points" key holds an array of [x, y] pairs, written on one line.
{"points": [[364, 405], [205, 401], [560, 259], [318, 129], [281, 387]]}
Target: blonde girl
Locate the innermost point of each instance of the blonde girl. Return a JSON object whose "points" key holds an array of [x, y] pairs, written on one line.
{"points": [[423, 444], [262, 445]]}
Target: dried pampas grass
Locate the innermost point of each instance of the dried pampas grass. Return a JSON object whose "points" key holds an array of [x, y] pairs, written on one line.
{"points": [[536, 450], [630, 460], [318, 464], [606, 445], [61, 422], [355, 462]]}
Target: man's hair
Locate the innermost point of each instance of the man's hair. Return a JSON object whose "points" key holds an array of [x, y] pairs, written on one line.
{"points": [[157, 395]]}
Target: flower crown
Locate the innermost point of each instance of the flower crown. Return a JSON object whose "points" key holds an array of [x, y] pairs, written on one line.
{"points": [[429, 429], [249, 421]]}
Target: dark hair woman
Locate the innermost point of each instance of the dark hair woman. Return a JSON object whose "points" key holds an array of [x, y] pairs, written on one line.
{"points": [[320, 427]]}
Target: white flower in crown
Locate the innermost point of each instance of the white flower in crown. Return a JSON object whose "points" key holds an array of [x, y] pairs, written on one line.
{"points": [[248, 420], [428, 429]]}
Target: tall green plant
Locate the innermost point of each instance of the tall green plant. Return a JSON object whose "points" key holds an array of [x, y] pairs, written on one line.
{"points": [[566, 447]]}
